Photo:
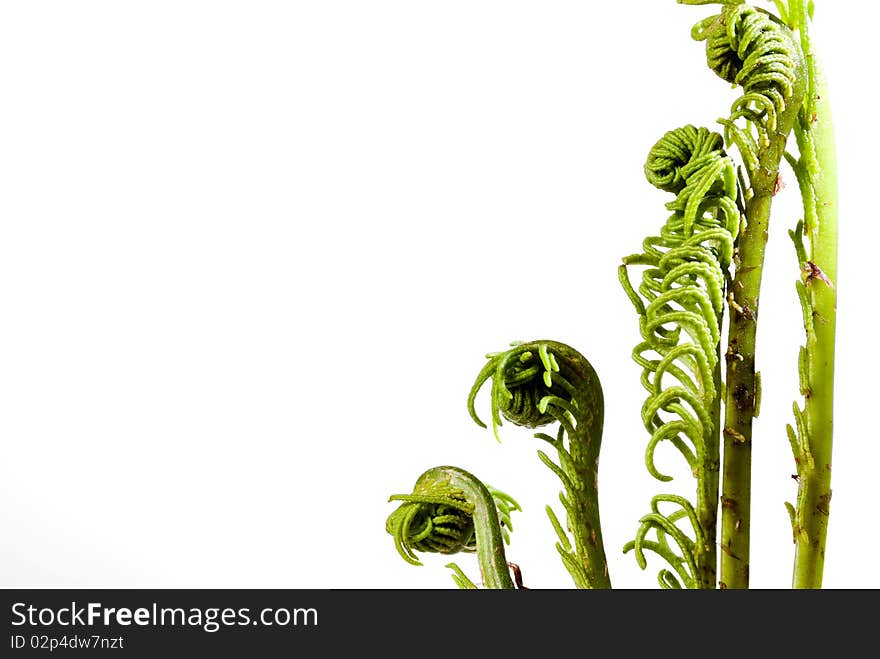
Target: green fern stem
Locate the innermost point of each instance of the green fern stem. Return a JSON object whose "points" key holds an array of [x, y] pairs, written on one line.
{"points": [[741, 396], [812, 436], [755, 50], [450, 511], [814, 492], [742, 380], [542, 383]]}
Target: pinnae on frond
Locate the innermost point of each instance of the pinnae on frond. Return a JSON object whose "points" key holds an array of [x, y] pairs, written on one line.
{"points": [[756, 51], [680, 302]]}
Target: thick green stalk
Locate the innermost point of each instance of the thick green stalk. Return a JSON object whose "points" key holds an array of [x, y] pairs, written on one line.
{"points": [[814, 479], [707, 500], [742, 381], [752, 49]]}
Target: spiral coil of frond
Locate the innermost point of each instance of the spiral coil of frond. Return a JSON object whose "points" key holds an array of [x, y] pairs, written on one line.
{"points": [[538, 384], [751, 48], [430, 523], [680, 303], [451, 511]]}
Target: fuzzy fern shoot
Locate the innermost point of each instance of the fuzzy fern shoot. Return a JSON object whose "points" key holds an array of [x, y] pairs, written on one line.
{"points": [[695, 284], [450, 511], [680, 303], [547, 383]]}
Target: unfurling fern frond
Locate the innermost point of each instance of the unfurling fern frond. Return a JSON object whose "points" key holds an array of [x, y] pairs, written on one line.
{"points": [[680, 303], [451, 511], [755, 50], [543, 383], [751, 48]]}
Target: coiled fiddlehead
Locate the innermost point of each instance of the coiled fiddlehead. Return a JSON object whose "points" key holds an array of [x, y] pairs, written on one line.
{"points": [[546, 382], [751, 48], [451, 511], [680, 303]]}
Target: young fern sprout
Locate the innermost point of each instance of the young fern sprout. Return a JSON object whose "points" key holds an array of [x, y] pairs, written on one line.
{"points": [[541, 383], [450, 511], [680, 303], [755, 50], [706, 260]]}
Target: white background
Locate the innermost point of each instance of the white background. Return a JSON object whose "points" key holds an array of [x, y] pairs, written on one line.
{"points": [[253, 255]]}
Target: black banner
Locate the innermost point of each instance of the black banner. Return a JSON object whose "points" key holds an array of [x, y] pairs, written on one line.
{"points": [[186, 623]]}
